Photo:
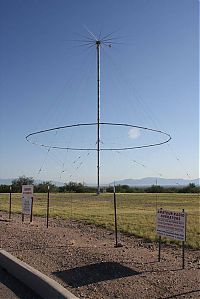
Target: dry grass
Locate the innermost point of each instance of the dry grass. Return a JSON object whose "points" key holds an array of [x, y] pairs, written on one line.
{"points": [[136, 212]]}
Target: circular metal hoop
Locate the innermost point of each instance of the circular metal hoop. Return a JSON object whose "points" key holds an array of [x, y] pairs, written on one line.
{"points": [[168, 137]]}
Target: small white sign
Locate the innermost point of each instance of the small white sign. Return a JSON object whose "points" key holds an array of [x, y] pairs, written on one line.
{"points": [[27, 198], [171, 224]]}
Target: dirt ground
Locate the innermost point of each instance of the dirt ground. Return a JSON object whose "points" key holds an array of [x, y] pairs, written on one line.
{"points": [[84, 259]]}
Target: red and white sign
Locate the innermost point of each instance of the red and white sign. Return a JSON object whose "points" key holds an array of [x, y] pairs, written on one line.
{"points": [[27, 198], [171, 224]]}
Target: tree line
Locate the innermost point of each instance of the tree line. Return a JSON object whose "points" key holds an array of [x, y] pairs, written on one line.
{"points": [[16, 187]]}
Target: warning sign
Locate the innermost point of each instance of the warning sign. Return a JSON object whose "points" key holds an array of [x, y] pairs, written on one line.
{"points": [[171, 224], [27, 198]]}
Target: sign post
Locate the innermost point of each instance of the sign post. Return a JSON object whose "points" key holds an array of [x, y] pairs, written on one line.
{"points": [[31, 216], [159, 248], [171, 224], [27, 201]]}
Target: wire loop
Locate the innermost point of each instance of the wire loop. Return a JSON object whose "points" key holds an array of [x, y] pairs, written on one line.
{"points": [[168, 137]]}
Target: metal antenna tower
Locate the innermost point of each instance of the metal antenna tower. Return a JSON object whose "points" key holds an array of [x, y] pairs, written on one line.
{"points": [[98, 44]]}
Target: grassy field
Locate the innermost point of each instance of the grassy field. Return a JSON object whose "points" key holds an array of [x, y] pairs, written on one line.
{"points": [[136, 211]]}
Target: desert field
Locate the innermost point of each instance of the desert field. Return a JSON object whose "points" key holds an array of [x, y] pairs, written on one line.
{"points": [[136, 212]]}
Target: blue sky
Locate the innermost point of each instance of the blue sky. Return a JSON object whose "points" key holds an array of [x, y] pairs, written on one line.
{"points": [[149, 79]]}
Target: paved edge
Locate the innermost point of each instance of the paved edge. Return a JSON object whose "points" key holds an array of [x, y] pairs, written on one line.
{"points": [[40, 283]]}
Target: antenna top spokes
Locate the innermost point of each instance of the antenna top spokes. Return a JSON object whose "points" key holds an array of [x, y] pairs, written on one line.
{"points": [[98, 42]]}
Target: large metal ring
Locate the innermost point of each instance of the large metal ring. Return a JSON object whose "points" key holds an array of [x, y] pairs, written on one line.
{"points": [[168, 137]]}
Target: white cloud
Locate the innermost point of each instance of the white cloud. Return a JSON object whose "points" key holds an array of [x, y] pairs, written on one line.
{"points": [[134, 133]]}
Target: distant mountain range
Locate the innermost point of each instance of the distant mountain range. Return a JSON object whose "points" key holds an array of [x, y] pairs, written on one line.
{"points": [[149, 181], [153, 181]]}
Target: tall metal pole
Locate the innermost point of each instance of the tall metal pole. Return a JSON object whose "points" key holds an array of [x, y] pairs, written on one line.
{"points": [[48, 207], [10, 203], [115, 213], [183, 250], [98, 116]]}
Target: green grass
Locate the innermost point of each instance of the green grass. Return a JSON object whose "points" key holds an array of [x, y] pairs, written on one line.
{"points": [[136, 212]]}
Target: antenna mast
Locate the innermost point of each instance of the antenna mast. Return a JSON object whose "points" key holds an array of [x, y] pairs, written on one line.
{"points": [[98, 43], [93, 41]]}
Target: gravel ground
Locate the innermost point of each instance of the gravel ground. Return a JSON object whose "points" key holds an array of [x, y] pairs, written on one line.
{"points": [[83, 259]]}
